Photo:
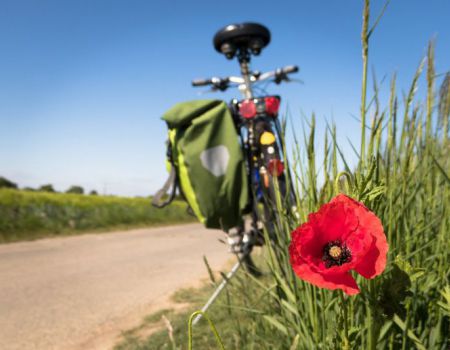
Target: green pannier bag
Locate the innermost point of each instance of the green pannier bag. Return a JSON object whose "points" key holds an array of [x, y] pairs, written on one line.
{"points": [[206, 163]]}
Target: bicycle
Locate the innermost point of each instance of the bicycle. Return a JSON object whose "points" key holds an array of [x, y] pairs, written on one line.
{"points": [[256, 120]]}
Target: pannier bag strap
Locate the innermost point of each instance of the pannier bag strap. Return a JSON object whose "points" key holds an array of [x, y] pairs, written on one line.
{"points": [[170, 183]]}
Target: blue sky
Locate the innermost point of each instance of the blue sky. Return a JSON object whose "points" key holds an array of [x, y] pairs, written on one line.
{"points": [[83, 84]]}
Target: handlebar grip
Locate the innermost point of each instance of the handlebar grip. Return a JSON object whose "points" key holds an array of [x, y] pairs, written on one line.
{"points": [[290, 69], [201, 82]]}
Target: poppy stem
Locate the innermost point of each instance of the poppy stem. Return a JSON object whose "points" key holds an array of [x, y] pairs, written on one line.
{"points": [[374, 323], [345, 341]]}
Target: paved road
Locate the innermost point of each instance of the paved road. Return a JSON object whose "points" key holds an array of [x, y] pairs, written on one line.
{"points": [[80, 292]]}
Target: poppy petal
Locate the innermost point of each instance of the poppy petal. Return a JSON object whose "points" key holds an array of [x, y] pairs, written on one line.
{"points": [[308, 246], [342, 281], [368, 244], [332, 222], [375, 260]]}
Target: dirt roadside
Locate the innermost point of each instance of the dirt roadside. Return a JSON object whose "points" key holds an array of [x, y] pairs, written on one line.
{"points": [[80, 292]]}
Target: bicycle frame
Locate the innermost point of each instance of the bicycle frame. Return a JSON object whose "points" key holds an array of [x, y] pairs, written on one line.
{"points": [[246, 87]]}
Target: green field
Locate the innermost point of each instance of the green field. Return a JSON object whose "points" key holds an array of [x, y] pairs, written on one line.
{"points": [[29, 215]]}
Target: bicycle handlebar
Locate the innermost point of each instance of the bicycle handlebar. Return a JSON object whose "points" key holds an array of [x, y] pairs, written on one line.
{"points": [[290, 69], [201, 82], [279, 75]]}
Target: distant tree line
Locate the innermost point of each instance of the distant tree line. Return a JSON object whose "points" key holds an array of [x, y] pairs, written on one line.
{"points": [[5, 183]]}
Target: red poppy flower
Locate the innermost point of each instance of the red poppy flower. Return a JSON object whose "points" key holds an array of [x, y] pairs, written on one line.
{"points": [[342, 236]]}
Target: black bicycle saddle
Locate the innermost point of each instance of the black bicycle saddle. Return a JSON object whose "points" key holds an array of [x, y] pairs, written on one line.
{"points": [[244, 36]]}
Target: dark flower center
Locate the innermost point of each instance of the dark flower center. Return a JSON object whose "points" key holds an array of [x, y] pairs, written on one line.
{"points": [[336, 253]]}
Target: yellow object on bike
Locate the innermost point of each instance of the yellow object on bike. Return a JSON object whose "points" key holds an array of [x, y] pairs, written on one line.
{"points": [[267, 138]]}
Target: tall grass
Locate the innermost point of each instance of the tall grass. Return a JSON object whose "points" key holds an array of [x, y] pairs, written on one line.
{"points": [[403, 176], [29, 215]]}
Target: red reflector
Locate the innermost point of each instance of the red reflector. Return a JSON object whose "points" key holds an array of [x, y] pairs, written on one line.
{"points": [[275, 167], [272, 105], [247, 109]]}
